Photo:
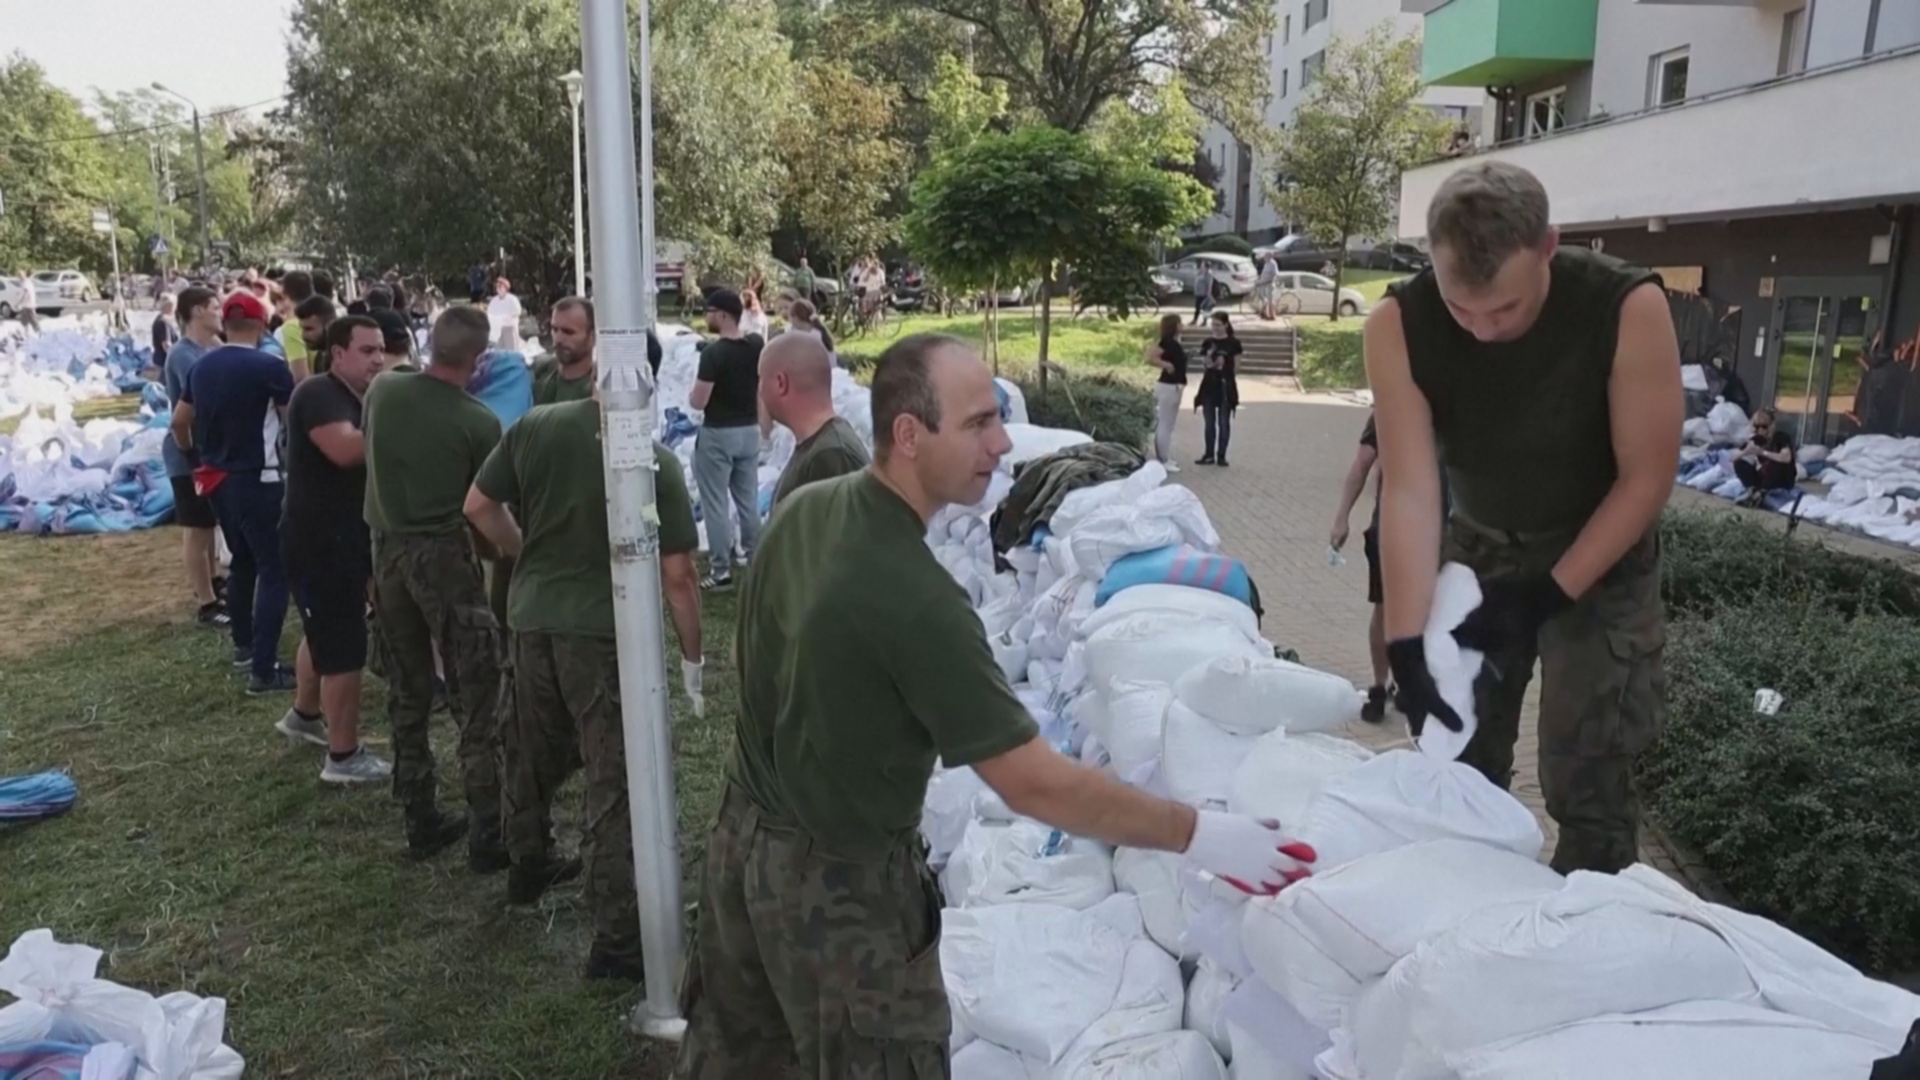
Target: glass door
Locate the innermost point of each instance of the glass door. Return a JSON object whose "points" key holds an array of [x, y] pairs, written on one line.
{"points": [[1817, 354]]}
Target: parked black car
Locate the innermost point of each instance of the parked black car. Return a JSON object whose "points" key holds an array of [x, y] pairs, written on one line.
{"points": [[1404, 258], [1298, 252]]}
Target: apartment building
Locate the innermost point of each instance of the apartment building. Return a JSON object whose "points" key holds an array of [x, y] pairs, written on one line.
{"points": [[1295, 52], [1751, 150]]}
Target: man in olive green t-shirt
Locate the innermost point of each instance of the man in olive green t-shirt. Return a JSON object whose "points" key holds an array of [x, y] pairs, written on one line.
{"points": [[567, 375], [426, 438], [566, 664], [861, 662], [796, 387]]}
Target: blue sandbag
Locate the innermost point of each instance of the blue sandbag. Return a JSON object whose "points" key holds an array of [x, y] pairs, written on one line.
{"points": [[1181, 564], [503, 383], [36, 795]]}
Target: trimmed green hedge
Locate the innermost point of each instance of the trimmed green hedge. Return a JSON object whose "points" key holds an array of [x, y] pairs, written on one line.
{"points": [[1808, 817], [1109, 408], [1330, 356]]}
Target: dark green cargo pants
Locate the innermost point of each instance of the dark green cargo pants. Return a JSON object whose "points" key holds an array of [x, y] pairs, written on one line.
{"points": [[808, 965], [567, 715], [1602, 692]]}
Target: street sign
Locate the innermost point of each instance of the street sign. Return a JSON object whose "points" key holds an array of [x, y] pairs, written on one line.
{"points": [[102, 221], [159, 247]]}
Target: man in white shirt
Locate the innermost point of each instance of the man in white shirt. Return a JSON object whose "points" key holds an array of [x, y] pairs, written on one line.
{"points": [[503, 311]]}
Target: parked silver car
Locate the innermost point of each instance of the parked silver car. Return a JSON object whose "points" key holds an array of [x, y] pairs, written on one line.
{"points": [[1313, 294], [1236, 271]]}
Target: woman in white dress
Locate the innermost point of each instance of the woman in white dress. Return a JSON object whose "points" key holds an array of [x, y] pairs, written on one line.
{"points": [[503, 311]]}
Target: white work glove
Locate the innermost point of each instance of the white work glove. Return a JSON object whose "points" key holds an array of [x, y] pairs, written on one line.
{"points": [[1253, 856], [691, 681]]}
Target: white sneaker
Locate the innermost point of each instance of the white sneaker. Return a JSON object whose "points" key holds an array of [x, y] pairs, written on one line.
{"points": [[1172, 468], [362, 768], [298, 728]]}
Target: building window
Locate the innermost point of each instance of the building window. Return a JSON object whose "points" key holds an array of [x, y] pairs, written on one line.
{"points": [[1310, 67], [1546, 112], [1286, 29], [1667, 79], [1285, 73], [1316, 13], [1793, 41]]}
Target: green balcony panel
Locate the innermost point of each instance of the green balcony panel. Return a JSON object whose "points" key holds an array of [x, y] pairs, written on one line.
{"points": [[1496, 42]]}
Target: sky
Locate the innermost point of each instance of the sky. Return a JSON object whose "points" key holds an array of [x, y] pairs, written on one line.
{"points": [[216, 52]]}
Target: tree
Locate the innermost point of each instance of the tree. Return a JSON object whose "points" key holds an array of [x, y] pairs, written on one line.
{"points": [[1359, 128], [1065, 60], [841, 163], [53, 172], [1016, 206], [960, 105]]}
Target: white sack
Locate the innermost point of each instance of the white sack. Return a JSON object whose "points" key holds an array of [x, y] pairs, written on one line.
{"points": [[1198, 759], [1525, 967], [1176, 1055], [1207, 1003], [1402, 797], [1282, 773], [1000, 863], [1077, 504], [1167, 905], [1323, 939], [948, 810], [1149, 1002], [1159, 646], [1456, 593], [1032, 977], [1254, 695], [1016, 400], [1031, 441], [1697, 1040], [1128, 717], [1159, 518], [1176, 600], [982, 1060], [1728, 423], [1270, 1040]]}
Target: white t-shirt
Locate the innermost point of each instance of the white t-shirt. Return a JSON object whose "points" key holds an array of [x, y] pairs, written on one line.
{"points": [[503, 311], [754, 322]]}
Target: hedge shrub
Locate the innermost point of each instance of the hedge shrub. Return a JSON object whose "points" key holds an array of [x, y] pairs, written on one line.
{"points": [[1330, 357], [1810, 816], [1109, 408]]}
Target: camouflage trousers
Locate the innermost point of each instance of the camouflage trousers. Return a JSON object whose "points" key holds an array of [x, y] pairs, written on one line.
{"points": [[808, 965], [1602, 692], [567, 715], [428, 588]]}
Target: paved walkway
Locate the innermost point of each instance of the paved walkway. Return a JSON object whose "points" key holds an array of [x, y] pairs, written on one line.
{"points": [[1274, 507]]}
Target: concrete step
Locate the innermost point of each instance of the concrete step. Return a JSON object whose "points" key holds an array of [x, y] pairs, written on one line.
{"points": [[1264, 351]]}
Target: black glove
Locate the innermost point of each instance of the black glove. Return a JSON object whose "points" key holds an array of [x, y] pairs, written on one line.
{"points": [[1511, 609], [1413, 691]]}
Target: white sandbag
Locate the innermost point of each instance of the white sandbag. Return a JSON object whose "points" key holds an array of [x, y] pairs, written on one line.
{"points": [[1009, 863], [1167, 903], [998, 615], [1254, 695], [1015, 409], [1282, 772], [1695, 1040], [1270, 1040], [1128, 719], [1032, 977], [1031, 441], [1080, 502], [982, 1060], [1159, 518], [961, 1037], [1198, 759], [1207, 997], [1176, 600], [1728, 423], [1322, 940], [1456, 593], [948, 811], [1525, 967], [1402, 797], [1014, 659], [1149, 1002], [1175, 1055], [1159, 646]]}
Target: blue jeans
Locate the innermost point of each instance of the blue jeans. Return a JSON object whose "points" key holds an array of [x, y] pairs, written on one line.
{"points": [[726, 465], [249, 513], [1218, 420]]}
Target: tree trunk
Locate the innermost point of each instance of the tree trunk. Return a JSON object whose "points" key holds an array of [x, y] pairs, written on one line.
{"points": [[1339, 277], [1046, 323], [990, 322]]}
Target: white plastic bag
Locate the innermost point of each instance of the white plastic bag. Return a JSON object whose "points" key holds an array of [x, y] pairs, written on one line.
{"points": [[1007, 863], [1198, 759], [177, 1036], [1167, 904], [1206, 1006], [1456, 594], [1254, 695], [1281, 774], [1404, 796], [1323, 939]]}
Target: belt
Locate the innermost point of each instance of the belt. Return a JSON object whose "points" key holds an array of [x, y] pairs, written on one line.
{"points": [[1511, 536]]}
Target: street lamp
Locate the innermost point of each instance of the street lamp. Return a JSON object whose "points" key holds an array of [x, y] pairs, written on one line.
{"points": [[200, 167], [575, 83]]}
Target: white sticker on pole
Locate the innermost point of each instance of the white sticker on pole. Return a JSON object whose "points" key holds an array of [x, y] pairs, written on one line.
{"points": [[625, 351], [628, 444]]}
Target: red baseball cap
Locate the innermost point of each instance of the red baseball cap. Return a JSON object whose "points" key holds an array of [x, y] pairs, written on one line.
{"points": [[243, 305]]}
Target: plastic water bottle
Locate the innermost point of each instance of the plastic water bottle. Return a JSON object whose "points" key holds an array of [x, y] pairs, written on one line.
{"points": [[1334, 558]]}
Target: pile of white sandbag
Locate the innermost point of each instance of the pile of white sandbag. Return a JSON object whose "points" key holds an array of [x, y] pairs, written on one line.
{"points": [[1429, 943]]}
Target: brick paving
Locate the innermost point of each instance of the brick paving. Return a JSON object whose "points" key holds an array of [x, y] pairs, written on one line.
{"points": [[1274, 507]]}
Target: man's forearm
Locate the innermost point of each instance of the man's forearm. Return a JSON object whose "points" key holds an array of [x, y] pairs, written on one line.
{"points": [[683, 604], [1093, 804], [1622, 519], [497, 527], [1409, 553]]}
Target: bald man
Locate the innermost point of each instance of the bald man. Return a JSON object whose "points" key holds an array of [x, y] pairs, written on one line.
{"points": [[796, 387]]}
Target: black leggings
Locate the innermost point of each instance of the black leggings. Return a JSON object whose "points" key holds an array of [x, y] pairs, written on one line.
{"points": [[1764, 475]]}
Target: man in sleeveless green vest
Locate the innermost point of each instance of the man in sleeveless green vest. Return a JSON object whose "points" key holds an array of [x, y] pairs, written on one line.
{"points": [[1547, 381]]}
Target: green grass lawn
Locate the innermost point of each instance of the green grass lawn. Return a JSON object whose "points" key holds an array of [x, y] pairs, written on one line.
{"points": [[205, 855], [1371, 284]]}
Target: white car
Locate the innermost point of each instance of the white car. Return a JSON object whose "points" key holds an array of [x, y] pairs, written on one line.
{"points": [[1298, 293], [1237, 271], [13, 297], [52, 288]]}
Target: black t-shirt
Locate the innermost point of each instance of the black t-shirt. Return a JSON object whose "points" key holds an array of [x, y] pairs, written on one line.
{"points": [[1176, 354], [732, 365], [1776, 441], [324, 501], [1218, 385]]}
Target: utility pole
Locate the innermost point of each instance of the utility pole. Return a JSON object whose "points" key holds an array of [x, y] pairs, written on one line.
{"points": [[622, 243], [200, 167]]}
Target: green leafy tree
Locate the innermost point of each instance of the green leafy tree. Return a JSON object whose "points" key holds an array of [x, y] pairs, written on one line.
{"points": [[1359, 128], [1015, 207], [842, 164], [54, 170], [961, 105]]}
